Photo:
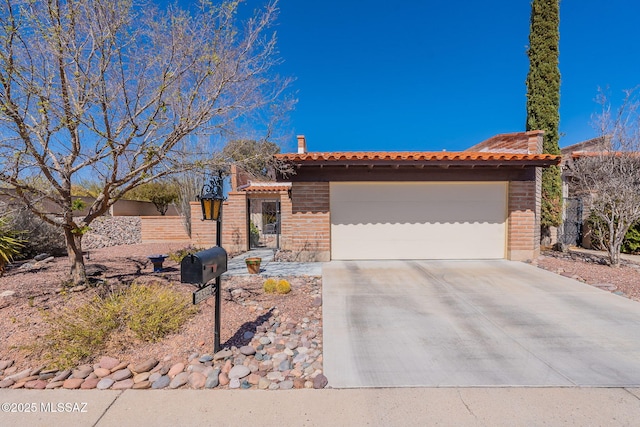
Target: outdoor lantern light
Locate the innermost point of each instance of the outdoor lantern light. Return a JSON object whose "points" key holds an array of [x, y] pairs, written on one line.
{"points": [[211, 198]]}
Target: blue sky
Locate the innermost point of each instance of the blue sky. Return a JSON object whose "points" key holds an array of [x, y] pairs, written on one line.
{"points": [[425, 75]]}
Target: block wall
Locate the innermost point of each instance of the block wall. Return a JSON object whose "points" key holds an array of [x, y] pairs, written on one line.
{"points": [[523, 236], [306, 223], [163, 229]]}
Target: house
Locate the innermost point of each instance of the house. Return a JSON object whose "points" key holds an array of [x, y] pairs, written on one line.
{"points": [[575, 229], [482, 203]]}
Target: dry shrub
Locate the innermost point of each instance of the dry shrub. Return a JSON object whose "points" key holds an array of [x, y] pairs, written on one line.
{"points": [[39, 236], [145, 312]]}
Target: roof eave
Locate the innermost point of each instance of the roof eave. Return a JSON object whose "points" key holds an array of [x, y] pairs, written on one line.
{"points": [[431, 163]]}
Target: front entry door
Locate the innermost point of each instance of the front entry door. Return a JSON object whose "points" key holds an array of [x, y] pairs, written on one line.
{"points": [[264, 223]]}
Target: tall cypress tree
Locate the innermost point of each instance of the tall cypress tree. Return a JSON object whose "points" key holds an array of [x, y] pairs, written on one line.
{"points": [[543, 99]]}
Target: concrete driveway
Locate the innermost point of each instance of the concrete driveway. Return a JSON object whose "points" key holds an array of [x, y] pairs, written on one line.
{"points": [[473, 323]]}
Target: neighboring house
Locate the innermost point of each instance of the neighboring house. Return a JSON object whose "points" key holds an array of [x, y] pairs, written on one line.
{"points": [[482, 203], [576, 207]]}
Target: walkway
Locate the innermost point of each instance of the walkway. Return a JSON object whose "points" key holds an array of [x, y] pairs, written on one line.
{"points": [[270, 268]]}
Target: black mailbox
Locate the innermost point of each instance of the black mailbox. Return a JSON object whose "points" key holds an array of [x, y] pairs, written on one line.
{"points": [[203, 266]]}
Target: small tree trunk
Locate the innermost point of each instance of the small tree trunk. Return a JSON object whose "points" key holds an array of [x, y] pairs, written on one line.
{"points": [[76, 259], [614, 257]]}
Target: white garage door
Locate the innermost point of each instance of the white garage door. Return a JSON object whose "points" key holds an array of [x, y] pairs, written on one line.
{"points": [[417, 220]]}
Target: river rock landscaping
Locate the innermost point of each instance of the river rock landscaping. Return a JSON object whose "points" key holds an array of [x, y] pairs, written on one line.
{"points": [[280, 355]]}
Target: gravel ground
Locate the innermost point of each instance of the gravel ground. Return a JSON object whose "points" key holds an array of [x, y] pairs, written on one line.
{"points": [[29, 294], [592, 270]]}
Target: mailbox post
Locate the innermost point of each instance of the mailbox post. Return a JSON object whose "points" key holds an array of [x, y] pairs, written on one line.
{"points": [[209, 264]]}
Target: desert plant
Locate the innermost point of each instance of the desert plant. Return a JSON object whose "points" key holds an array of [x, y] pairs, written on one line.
{"points": [[283, 287], [37, 235], [10, 244], [178, 255], [146, 312], [77, 333], [152, 312], [270, 285], [254, 234]]}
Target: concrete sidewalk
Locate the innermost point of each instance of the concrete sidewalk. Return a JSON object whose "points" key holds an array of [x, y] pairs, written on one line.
{"points": [[352, 407]]}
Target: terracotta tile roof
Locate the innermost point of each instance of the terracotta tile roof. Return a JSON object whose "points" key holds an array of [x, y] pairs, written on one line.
{"points": [[438, 156], [265, 187]]}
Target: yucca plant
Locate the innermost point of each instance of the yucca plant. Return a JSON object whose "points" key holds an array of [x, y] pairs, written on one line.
{"points": [[10, 245]]}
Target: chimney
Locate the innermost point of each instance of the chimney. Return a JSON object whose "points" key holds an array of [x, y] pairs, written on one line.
{"points": [[302, 144]]}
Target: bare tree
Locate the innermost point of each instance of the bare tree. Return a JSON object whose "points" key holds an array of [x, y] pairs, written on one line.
{"points": [[250, 156], [189, 186], [609, 176], [107, 89]]}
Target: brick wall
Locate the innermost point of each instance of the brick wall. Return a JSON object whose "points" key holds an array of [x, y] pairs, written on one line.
{"points": [[162, 229], [137, 208], [306, 224], [523, 235], [521, 142], [203, 233], [234, 223]]}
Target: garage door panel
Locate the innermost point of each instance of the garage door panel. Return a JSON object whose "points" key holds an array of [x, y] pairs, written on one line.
{"points": [[418, 220], [444, 212]]}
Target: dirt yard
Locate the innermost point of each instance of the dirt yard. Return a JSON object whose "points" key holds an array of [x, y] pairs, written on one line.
{"points": [[592, 270], [30, 293]]}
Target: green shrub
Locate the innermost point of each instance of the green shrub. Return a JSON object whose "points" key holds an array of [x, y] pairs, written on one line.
{"points": [[283, 287], [254, 234], [178, 255], [270, 286], [631, 242], [147, 312]]}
